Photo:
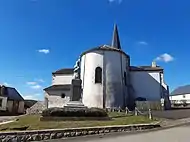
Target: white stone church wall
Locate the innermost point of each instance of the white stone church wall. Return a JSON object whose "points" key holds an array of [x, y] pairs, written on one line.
{"points": [[62, 79], [113, 73], [55, 100], [146, 85], [92, 93], [125, 67], [114, 67]]}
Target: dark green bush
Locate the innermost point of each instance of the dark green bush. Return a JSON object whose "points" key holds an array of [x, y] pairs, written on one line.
{"points": [[95, 112], [63, 112]]}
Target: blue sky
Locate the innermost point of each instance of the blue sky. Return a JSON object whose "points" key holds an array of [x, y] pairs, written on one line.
{"points": [[62, 29]]}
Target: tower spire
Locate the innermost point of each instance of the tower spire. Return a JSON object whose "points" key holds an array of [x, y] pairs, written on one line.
{"points": [[115, 38]]}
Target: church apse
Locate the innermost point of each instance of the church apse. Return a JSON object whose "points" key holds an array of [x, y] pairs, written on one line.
{"points": [[108, 79]]}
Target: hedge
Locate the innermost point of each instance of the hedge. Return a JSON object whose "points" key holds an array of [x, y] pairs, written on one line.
{"points": [[63, 112]]}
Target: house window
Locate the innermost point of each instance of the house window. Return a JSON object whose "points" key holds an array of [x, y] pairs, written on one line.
{"points": [[63, 95], [125, 78], [1, 101], [46, 102], [98, 75]]}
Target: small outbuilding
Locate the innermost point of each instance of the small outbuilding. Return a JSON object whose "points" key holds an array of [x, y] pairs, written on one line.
{"points": [[11, 102]]}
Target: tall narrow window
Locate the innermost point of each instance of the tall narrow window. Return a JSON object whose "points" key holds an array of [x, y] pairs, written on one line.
{"points": [[125, 79], [1, 102], [46, 102], [98, 75], [63, 95]]}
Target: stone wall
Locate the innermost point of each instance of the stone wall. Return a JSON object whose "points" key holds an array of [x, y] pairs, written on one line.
{"points": [[72, 132], [37, 108]]}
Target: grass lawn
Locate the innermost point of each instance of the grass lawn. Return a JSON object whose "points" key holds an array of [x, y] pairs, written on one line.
{"points": [[34, 123]]}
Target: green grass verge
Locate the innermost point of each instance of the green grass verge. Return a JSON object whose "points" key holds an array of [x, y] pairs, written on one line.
{"points": [[35, 124]]}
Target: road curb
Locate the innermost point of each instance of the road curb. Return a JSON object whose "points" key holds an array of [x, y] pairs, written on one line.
{"points": [[38, 135]]}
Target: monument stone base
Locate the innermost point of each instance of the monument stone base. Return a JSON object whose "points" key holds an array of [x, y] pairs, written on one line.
{"points": [[75, 105]]}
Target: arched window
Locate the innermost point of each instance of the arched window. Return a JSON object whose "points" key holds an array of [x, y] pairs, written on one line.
{"points": [[63, 95], [125, 78], [98, 75]]}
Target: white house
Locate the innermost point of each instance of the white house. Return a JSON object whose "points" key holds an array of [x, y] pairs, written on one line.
{"points": [[108, 79], [181, 95], [11, 101]]}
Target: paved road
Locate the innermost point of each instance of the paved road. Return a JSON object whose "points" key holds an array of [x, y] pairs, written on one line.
{"points": [[177, 134], [7, 118], [172, 114]]}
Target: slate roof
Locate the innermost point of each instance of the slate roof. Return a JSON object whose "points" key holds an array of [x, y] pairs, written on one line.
{"points": [[12, 94], [65, 87], [181, 90], [132, 68], [145, 68], [115, 45], [104, 48], [115, 39], [64, 71]]}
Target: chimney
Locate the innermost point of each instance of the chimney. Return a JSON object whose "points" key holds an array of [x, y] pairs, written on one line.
{"points": [[154, 64]]}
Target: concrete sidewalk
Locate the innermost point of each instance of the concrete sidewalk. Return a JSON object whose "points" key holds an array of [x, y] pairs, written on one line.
{"points": [[164, 123], [4, 119], [6, 122], [7, 118]]}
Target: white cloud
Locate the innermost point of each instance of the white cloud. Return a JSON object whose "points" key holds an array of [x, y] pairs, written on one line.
{"points": [[35, 82], [40, 80], [31, 83], [165, 58], [31, 97], [143, 43], [118, 1], [36, 87], [45, 51]]}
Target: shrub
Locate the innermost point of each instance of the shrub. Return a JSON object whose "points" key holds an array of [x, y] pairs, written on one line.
{"points": [[96, 112], [63, 112]]}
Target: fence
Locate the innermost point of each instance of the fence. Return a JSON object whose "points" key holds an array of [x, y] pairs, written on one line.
{"points": [[136, 112], [146, 105]]}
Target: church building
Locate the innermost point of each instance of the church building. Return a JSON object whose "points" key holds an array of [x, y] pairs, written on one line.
{"points": [[108, 79]]}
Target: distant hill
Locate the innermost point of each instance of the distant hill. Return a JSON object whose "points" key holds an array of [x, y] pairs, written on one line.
{"points": [[29, 103]]}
